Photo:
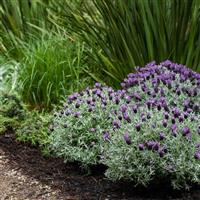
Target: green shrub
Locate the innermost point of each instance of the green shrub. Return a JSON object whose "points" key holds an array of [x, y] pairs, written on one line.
{"points": [[34, 130]]}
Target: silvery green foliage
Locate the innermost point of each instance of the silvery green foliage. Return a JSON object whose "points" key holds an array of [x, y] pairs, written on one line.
{"points": [[148, 130], [161, 137], [80, 130]]}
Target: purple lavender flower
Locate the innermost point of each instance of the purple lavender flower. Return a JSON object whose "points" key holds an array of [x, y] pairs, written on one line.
{"points": [[181, 119], [166, 116], [123, 108], [77, 114], [116, 124], [161, 152], [97, 85], [156, 146], [173, 120], [127, 138], [126, 117], [164, 122], [197, 155], [162, 136], [128, 99], [174, 127], [117, 100], [138, 127], [186, 131], [141, 147], [106, 136], [150, 144], [135, 109]]}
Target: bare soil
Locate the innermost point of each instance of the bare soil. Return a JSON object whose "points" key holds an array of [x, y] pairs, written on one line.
{"points": [[26, 174]]}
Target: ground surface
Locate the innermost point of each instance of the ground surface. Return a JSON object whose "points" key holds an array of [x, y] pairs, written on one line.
{"points": [[25, 174]]}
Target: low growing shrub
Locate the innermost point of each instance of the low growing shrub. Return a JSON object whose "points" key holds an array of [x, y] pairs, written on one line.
{"points": [[34, 130], [147, 131]]}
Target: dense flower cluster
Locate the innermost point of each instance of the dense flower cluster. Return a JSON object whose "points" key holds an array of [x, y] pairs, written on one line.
{"points": [[151, 126], [170, 89]]}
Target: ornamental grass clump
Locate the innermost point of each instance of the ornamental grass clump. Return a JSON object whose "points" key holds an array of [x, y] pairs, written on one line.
{"points": [[158, 135], [81, 129]]}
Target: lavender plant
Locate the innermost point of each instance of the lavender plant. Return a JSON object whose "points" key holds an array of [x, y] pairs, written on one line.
{"points": [[148, 130], [159, 133]]}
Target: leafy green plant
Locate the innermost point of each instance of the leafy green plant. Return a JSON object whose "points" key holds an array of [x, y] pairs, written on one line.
{"points": [[34, 130], [51, 68], [12, 112], [124, 34]]}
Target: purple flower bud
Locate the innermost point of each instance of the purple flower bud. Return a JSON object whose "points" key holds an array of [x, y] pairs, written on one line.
{"points": [[97, 85], [138, 127], [164, 122], [150, 144], [127, 138], [116, 124], [161, 152], [166, 116], [126, 117], [106, 136], [186, 131], [128, 99], [156, 146], [117, 100], [185, 115], [174, 127], [197, 155], [181, 119], [162, 136], [135, 109], [67, 112], [123, 108], [77, 114], [141, 147], [173, 120]]}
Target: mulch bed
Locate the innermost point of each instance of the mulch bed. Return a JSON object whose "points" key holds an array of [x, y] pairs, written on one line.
{"points": [[54, 179]]}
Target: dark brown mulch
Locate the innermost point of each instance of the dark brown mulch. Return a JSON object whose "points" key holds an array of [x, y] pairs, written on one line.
{"points": [[26, 174]]}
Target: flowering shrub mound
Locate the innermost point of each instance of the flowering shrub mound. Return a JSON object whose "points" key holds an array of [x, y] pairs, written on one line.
{"points": [[148, 130]]}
